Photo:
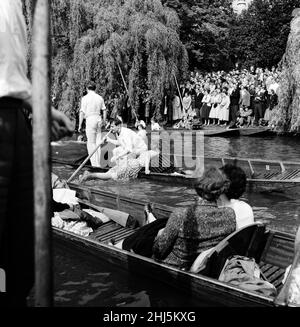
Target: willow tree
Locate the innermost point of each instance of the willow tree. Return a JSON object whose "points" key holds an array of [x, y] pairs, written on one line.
{"points": [[100, 40], [286, 116]]}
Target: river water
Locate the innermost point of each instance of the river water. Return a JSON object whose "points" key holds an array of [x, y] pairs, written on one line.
{"points": [[82, 282]]}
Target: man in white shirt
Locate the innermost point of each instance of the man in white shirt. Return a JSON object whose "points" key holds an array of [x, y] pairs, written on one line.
{"points": [[92, 105], [16, 162], [127, 142]]}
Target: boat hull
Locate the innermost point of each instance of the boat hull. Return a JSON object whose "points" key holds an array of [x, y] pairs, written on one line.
{"points": [[199, 287]]}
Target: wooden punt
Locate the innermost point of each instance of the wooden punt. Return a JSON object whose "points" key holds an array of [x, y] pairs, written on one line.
{"points": [[262, 175], [225, 132], [273, 251], [221, 132], [256, 131]]}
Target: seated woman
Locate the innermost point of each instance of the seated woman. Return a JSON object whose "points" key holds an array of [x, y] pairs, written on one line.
{"points": [[243, 212], [191, 230], [238, 181], [244, 116]]}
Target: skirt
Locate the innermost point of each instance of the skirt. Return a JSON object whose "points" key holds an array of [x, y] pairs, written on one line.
{"points": [[267, 115], [126, 170], [205, 110], [213, 111]]}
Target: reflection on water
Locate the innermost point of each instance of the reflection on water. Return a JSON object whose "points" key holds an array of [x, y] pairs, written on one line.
{"points": [[81, 280], [271, 148]]}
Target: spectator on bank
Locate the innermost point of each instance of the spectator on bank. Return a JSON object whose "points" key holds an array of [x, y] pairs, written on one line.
{"points": [[206, 106], [224, 107], [259, 104], [198, 100], [244, 97], [234, 102], [273, 101]]}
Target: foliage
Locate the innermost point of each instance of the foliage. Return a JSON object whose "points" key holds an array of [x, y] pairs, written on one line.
{"points": [[99, 40], [205, 31], [259, 35], [286, 116]]}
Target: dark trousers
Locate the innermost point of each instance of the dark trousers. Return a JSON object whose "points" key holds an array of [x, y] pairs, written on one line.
{"points": [[258, 111], [141, 242], [16, 203], [234, 108]]}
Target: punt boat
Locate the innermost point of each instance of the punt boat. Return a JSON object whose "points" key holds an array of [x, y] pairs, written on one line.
{"points": [[272, 250], [262, 175]]}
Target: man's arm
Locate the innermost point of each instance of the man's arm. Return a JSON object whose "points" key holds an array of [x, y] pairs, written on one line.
{"points": [[81, 119], [104, 116], [82, 113], [61, 125]]}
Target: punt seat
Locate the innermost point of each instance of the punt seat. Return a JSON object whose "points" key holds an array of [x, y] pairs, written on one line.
{"points": [[248, 241]]}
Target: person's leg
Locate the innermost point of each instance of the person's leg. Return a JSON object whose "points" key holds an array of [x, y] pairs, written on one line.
{"points": [[260, 112], [97, 155], [87, 176], [256, 113], [148, 212], [16, 204], [91, 134], [145, 159]]}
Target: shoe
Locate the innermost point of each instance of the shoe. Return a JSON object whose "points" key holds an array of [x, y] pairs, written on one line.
{"points": [[148, 208], [112, 242], [147, 211], [82, 177]]}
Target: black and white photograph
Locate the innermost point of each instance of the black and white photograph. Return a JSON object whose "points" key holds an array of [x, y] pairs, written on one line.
{"points": [[149, 158]]}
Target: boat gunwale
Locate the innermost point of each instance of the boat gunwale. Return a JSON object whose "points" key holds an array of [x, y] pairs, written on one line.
{"points": [[185, 178]]}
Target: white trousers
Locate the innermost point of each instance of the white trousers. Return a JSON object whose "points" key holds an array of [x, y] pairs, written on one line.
{"points": [[93, 135]]}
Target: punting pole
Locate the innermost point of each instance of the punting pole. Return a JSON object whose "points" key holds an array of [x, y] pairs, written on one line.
{"points": [[120, 70], [85, 160], [41, 153], [178, 89]]}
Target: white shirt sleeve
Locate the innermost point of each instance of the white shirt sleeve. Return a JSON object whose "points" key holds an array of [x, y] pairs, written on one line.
{"points": [[13, 48]]}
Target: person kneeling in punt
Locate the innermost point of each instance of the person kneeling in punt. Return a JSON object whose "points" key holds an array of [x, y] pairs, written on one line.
{"points": [[130, 155]]}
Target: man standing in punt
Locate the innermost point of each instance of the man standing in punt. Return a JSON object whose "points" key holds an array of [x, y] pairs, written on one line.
{"points": [[92, 105]]}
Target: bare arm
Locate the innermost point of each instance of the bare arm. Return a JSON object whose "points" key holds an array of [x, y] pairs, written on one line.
{"points": [[61, 125], [104, 116], [115, 142], [81, 119]]}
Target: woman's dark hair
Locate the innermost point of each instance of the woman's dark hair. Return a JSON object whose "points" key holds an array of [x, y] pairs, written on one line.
{"points": [[238, 181], [116, 121], [211, 184]]}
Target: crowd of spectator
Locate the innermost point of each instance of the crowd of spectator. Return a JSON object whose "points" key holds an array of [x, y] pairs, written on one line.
{"points": [[238, 98]]}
